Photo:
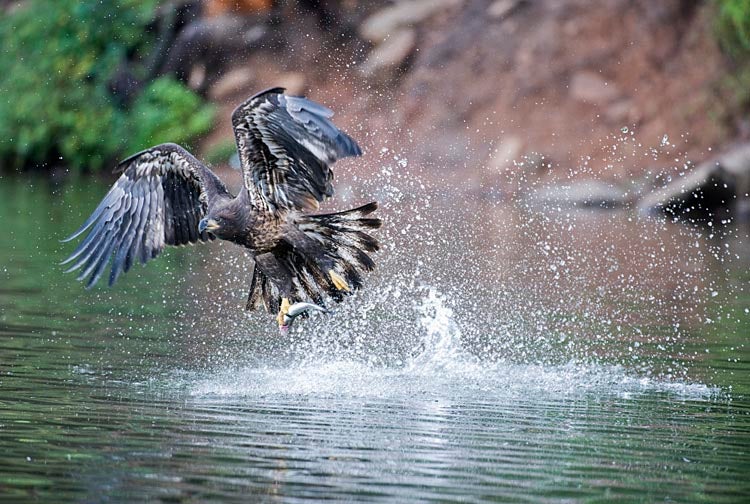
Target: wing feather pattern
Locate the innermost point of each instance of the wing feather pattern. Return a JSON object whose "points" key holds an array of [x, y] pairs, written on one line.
{"points": [[159, 199], [286, 146]]}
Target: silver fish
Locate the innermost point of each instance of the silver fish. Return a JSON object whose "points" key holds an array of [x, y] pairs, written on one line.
{"points": [[295, 311]]}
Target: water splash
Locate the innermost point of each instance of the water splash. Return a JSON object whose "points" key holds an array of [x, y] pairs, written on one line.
{"points": [[441, 369], [441, 338], [477, 296]]}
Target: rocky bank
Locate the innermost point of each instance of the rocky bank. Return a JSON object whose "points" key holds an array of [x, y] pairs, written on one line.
{"points": [[504, 97]]}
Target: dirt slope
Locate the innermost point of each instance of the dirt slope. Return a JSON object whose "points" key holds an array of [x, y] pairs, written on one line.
{"points": [[569, 87]]}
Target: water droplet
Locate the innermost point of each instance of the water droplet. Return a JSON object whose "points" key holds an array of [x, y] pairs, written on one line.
{"points": [[624, 129]]}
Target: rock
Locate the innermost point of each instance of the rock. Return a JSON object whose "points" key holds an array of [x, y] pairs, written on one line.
{"points": [[197, 77], [236, 80], [391, 55], [586, 193], [535, 163], [590, 87], [386, 21], [622, 112], [717, 188], [500, 9], [506, 153]]}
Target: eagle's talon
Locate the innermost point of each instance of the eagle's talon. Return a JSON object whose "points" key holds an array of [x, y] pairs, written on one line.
{"points": [[338, 281], [282, 312]]}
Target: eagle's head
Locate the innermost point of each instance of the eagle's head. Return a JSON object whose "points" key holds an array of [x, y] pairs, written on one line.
{"points": [[220, 221], [209, 224]]}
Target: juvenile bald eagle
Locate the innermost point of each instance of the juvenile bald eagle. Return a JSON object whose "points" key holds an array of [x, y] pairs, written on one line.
{"points": [[286, 145]]}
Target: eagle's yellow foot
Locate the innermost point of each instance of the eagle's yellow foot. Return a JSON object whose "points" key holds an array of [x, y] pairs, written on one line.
{"points": [[338, 281], [283, 311]]}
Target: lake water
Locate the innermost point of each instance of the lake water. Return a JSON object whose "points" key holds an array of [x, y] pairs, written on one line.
{"points": [[499, 353]]}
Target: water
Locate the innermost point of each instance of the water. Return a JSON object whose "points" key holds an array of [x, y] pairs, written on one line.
{"points": [[499, 354]]}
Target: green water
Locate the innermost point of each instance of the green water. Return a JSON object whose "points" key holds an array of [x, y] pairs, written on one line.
{"points": [[497, 355]]}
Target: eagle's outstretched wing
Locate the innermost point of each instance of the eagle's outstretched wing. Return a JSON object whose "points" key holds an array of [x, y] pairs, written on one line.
{"points": [[286, 146], [159, 199]]}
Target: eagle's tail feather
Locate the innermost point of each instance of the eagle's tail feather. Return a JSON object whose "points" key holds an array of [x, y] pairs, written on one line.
{"points": [[344, 241], [263, 293], [344, 236], [309, 284]]}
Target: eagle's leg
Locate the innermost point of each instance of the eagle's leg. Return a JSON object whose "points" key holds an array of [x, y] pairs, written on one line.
{"points": [[281, 277], [283, 311]]}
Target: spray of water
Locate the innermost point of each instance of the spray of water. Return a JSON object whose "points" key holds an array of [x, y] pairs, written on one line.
{"points": [[471, 294], [441, 368]]}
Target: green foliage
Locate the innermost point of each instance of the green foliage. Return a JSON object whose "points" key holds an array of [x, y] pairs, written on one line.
{"points": [[221, 151], [55, 62], [733, 26], [732, 23], [167, 112]]}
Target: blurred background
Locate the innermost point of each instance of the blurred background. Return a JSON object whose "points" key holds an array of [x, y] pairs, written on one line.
{"points": [[537, 326], [566, 102]]}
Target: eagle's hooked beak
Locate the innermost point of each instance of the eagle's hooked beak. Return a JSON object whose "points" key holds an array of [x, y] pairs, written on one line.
{"points": [[208, 225]]}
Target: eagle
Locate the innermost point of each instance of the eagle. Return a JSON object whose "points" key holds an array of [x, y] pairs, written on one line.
{"points": [[286, 145]]}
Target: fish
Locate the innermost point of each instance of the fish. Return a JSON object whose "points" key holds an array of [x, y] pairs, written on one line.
{"points": [[295, 311]]}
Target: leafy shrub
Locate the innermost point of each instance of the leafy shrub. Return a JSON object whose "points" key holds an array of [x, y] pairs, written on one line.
{"points": [[167, 112], [55, 61], [732, 23], [221, 152], [733, 26]]}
